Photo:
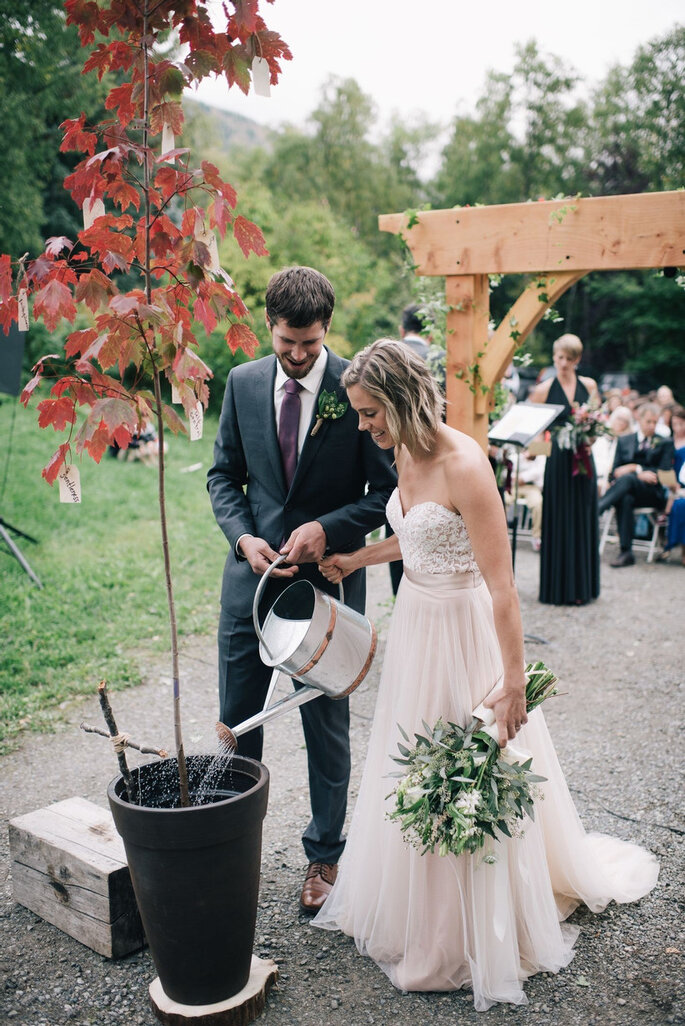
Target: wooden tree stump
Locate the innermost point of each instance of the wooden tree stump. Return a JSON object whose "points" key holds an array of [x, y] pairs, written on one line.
{"points": [[240, 1010]]}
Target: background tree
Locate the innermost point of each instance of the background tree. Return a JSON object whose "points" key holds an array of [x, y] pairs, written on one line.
{"points": [[40, 78]]}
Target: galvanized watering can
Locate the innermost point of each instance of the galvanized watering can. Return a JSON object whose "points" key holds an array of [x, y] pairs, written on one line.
{"points": [[313, 638]]}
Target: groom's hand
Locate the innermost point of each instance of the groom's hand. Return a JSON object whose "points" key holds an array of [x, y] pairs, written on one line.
{"points": [[306, 544], [260, 556]]}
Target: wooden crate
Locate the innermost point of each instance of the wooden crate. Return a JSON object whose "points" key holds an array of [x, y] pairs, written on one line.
{"points": [[69, 867]]}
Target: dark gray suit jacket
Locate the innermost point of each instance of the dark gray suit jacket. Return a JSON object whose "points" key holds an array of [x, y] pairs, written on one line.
{"points": [[658, 457], [248, 491]]}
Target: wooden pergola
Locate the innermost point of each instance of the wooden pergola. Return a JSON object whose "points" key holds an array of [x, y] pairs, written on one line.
{"points": [[557, 241]]}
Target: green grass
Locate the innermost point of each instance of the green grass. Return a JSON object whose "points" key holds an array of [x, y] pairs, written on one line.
{"points": [[101, 566]]}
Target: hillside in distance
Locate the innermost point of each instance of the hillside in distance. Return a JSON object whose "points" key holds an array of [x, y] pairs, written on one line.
{"points": [[225, 129]]}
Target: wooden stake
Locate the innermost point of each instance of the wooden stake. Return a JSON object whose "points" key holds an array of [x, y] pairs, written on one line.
{"points": [[114, 733]]}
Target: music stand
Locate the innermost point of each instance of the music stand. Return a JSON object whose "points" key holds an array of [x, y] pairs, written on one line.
{"points": [[11, 357], [518, 427]]}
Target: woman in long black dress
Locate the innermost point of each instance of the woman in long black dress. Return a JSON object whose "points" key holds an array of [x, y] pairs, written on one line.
{"points": [[569, 557]]}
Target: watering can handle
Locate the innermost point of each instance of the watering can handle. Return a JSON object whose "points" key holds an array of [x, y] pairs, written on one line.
{"points": [[258, 595]]}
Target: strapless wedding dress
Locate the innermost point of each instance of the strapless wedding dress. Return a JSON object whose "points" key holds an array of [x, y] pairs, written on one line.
{"points": [[441, 923]]}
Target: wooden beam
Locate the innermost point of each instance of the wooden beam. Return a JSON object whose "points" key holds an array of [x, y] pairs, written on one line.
{"points": [[602, 233], [467, 337], [527, 311]]}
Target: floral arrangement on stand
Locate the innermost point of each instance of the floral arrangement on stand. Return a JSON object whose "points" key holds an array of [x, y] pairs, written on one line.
{"points": [[458, 788], [585, 424]]}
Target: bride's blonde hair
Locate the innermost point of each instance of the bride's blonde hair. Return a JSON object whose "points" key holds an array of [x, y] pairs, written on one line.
{"points": [[399, 379]]}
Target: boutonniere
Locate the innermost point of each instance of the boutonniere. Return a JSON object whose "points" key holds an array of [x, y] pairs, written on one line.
{"points": [[330, 408]]}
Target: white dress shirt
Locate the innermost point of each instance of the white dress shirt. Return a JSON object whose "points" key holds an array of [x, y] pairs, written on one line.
{"points": [[311, 384]]}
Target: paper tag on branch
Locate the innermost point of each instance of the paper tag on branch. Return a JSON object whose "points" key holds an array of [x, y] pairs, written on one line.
{"points": [[92, 208], [195, 418], [175, 394], [168, 141], [207, 236], [69, 484], [23, 303], [261, 77]]}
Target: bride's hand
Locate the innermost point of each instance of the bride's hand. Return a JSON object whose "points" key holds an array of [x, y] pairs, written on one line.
{"points": [[337, 566], [509, 707]]}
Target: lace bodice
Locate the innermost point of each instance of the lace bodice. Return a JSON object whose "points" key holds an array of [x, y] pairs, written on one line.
{"points": [[433, 539]]}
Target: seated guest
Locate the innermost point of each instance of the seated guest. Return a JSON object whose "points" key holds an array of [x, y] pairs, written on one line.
{"points": [[676, 502], [530, 480], [604, 449], [665, 401], [634, 479]]}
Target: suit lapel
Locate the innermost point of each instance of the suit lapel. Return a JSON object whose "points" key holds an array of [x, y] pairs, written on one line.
{"points": [[264, 407], [330, 383]]}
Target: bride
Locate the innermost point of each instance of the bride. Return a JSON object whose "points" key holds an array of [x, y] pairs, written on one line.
{"points": [[432, 922]]}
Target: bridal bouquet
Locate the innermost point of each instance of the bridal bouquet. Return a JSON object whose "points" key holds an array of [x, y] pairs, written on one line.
{"points": [[458, 787], [585, 423]]}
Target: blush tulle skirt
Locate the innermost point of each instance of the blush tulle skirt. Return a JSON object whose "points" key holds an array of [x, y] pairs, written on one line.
{"points": [[443, 923]]}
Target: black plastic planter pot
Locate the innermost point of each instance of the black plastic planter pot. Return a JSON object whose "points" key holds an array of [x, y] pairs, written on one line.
{"points": [[195, 870]]}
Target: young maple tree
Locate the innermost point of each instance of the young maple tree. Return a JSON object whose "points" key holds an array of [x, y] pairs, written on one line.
{"points": [[150, 214]]}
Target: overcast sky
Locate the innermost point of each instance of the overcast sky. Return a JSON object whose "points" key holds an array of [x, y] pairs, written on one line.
{"points": [[431, 56]]}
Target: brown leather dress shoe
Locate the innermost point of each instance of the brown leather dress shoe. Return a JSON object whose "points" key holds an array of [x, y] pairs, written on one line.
{"points": [[318, 884]]}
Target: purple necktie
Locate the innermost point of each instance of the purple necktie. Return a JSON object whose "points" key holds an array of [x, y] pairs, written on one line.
{"points": [[289, 426]]}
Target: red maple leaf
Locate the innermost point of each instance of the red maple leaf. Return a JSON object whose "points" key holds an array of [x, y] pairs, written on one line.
{"points": [[169, 113], [121, 97], [203, 312], [55, 245], [86, 15], [5, 278], [239, 336], [53, 302], [249, 237], [201, 63], [235, 64], [246, 16], [40, 268], [172, 420], [78, 341], [116, 413], [58, 412], [219, 214], [93, 289], [75, 138], [30, 388], [98, 442], [110, 57], [123, 193], [188, 365], [55, 463]]}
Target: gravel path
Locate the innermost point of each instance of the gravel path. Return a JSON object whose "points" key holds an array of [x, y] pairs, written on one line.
{"points": [[616, 730]]}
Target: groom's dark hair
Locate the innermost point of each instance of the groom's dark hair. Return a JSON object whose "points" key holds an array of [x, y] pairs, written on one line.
{"points": [[301, 296]]}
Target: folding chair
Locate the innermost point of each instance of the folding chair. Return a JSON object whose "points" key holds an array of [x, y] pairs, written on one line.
{"points": [[609, 533]]}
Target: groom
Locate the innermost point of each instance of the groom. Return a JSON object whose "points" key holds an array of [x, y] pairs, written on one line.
{"points": [[285, 479]]}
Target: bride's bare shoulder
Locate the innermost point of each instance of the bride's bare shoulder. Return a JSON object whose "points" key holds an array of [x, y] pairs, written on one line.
{"points": [[457, 446], [462, 456]]}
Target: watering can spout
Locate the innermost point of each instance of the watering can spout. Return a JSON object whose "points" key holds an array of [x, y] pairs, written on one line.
{"points": [[228, 736], [323, 645]]}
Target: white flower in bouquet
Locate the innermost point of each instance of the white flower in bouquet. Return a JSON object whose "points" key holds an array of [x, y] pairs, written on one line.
{"points": [[458, 787]]}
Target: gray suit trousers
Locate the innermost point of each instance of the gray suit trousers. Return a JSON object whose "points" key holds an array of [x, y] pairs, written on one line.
{"points": [[243, 684]]}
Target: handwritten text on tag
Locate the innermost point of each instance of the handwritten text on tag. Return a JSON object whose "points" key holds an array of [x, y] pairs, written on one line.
{"points": [[69, 484], [195, 418], [23, 301]]}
